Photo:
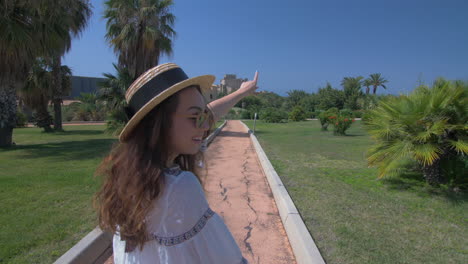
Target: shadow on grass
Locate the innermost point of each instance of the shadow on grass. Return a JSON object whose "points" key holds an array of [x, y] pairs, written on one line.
{"points": [[414, 182], [233, 134], [67, 150], [79, 132]]}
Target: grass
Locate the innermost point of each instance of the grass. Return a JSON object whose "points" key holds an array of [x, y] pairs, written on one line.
{"points": [[354, 217], [46, 189]]}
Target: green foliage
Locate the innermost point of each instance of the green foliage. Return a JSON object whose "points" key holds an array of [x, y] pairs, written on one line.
{"points": [[245, 114], [69, 111], [140, 32], [329, 97], [270, 99], [90, 109], [352, 91], [375, 80], [112, 91], [21, 119], [295, 97], [325, 117], [273, 115], [358, 113], [426, 127], [341, 123], [297, 114]]}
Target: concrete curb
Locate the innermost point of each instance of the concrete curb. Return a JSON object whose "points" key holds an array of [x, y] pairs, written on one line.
{"points": [[304, 248], [215, 133], [96, 246]]}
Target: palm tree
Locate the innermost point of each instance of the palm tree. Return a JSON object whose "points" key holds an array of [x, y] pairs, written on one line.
{"points": [[352, 91], [36, 94], [367, 83], [112, 92], [70, 17], [427, 126], [29, 29], [140, 31], [376, 80], [19, 45]]}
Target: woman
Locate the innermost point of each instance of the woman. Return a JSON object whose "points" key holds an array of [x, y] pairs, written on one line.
{"points": [[151, 198]]}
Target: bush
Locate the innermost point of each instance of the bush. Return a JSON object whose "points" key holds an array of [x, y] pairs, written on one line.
{"points": [[21, 119], [273, 115], [357, 113], [427, 127], [245, 114], [297, 114], [341, 123], [346, 113], [324, 117]]}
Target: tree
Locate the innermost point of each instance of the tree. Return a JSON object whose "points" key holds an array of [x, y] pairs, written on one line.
{"points": [[112, 91], [427, 126], [69, 17], [38, 91], [376, 80], [26, 35], [140, 31], [36, 94], [295, 97], [328, 97], [270, 99], [367, 83], [352, 91]]}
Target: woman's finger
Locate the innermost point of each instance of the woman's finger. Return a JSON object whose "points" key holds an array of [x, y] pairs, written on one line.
{"points": [[255, 77]]}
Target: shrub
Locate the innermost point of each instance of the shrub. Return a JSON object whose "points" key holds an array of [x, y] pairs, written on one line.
{"points": [[245, 114], [427, 127], [68, 111], [21, 119], [357, 113], [324, 117], [297, 114], [273, 115], [341, 123]]}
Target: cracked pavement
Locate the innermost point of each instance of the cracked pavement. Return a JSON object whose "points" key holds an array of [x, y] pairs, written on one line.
{"points": [[238, 191]]}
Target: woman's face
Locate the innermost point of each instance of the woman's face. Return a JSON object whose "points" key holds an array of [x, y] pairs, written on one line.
{"points": [[185, 137]]}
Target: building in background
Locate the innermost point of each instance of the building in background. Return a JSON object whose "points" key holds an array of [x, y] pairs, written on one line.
{"points": [[228, 84]]}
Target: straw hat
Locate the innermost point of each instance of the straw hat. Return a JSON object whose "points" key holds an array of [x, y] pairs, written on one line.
{"points": [[153, 87]]}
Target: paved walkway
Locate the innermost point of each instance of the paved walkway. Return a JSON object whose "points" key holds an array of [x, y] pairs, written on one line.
{"points": [[238, 191]]}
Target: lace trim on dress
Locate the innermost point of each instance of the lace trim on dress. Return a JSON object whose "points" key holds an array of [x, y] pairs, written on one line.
{"points": [[171, 241], [174, 170]]}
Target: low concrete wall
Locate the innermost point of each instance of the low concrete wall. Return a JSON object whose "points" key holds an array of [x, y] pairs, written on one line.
{"points": [[304, 248], [94, 248]]}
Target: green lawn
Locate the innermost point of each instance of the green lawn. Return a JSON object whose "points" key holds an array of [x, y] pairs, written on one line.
{"points": [[354, 217], [46, 189]]}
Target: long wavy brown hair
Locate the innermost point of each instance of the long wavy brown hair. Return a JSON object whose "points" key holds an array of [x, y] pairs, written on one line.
{"points": [[132, 175]]}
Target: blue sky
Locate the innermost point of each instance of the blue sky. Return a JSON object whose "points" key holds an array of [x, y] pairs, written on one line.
{"points": [[303, 44]]}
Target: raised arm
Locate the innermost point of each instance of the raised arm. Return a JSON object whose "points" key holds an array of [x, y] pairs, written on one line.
{"points": [[221, 106]]}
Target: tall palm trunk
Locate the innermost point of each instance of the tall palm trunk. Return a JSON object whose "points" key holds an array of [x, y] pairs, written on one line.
{"points": [[433, 174], [375, 89], [7, 113], [57, 95]]}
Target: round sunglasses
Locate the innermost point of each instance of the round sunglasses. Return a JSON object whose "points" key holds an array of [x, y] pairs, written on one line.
{"points": [[199, 118]]}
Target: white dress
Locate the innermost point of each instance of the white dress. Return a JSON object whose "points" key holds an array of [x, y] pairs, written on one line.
{"points": [[182, 228]]}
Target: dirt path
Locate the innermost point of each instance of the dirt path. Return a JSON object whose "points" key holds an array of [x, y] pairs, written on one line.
{"points": [[238, 191]]}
